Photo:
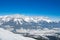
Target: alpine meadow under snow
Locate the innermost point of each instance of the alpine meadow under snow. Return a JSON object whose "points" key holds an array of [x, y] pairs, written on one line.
{"points": [[20, 27]]}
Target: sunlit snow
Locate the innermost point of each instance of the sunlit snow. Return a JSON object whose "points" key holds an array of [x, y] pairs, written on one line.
{"points": [[6, 35]]}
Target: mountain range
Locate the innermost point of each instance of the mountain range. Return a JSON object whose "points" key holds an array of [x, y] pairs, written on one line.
{"points": [[31, 26]]}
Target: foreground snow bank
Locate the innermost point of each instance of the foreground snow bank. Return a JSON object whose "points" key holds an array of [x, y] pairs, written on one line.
{"points": [[6, 35]]}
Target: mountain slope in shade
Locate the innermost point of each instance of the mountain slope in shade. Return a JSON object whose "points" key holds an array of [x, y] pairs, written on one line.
{"points": [[6, 35]]}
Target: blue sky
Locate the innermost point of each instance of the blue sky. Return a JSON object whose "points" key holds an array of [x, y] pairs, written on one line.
{"points": [[49, 8]]}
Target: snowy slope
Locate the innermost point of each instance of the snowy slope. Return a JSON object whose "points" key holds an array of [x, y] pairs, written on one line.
{"points": [[6, 35]]}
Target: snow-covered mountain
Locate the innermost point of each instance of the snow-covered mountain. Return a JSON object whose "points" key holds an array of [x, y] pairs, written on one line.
{"points": [[26, 22], [31, 26], [21, 21]]}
